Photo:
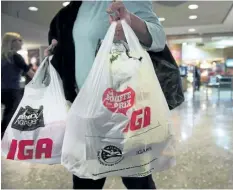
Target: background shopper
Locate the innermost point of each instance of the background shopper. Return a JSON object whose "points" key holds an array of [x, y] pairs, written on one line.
{"points": [[12, 65]]}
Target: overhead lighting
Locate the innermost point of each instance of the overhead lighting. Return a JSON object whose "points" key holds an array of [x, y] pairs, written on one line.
{"points": [[220, 47], [161, 19], [193, 6], [192, 17], [66, 3], [32, 8], [192, 30]]}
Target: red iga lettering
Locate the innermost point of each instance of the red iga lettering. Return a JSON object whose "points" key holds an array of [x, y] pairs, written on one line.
{"points": [[147, 117], [44, 146], [139, 119], [24, 153], [12, 150], [136, 120]]}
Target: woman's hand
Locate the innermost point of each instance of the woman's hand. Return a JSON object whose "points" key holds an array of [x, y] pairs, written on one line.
{"points": [[47, 51], [117, 12]]}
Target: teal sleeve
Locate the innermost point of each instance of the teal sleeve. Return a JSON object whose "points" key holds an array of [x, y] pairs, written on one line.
{"points": [[144, 10]]}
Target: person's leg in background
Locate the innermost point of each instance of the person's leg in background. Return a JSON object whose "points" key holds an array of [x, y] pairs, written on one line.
{"points": [[10, 99], [198, 84], [139, 182], [80, 183]]}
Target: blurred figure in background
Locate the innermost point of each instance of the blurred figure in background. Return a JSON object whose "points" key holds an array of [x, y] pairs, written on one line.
{"points": [[197, 75], [13, 66]]}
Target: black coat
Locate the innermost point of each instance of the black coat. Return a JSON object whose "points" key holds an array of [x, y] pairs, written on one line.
{"points": [[63, 60]]}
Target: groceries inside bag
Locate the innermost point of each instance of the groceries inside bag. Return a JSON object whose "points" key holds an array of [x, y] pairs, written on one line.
{"points": [[119, 124], [36, 130]]}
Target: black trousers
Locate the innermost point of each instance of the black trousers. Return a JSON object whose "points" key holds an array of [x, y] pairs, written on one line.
{"points": [[10, 99], [129, 182]]}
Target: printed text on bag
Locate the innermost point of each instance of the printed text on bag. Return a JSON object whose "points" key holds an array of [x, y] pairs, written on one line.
{"points": [[139, 119], [119, 102], [28, 119], [30, 149]]}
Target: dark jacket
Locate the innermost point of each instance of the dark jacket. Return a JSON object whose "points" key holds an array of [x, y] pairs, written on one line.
{"points": [[63, 60], [12, 71]]}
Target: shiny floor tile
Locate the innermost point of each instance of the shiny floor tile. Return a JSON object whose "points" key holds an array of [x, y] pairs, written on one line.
{"points": [[203, 126]]}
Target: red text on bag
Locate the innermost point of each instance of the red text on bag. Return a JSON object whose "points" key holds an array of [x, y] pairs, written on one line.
{"points": [[30, 149], [139, 119], [118, 102]]}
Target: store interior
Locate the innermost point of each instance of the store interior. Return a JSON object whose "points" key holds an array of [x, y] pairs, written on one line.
{"points": [[213, 59], [210, 56], [197, 41], [200, 38]]}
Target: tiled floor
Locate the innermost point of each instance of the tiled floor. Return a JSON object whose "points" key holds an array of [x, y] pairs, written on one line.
{"points": [[204, 131]]}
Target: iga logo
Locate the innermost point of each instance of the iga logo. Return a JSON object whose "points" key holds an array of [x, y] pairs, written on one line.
{"points": [[110, 155], [139, 119], [28, 119], [30, 149], [119, 102]]}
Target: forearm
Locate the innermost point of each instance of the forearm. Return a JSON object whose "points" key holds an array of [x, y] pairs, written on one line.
{"points": [[140, 28]]}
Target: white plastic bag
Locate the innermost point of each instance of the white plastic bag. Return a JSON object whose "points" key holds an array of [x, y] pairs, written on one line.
{"points": [[36, 131], [119, 124]]}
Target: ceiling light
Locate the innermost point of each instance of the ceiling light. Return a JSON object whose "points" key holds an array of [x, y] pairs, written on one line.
{"points": [[192, 30], [192, 17], [32, 8], [220, 47], [66, 3], [161, 19], [193, 6]]}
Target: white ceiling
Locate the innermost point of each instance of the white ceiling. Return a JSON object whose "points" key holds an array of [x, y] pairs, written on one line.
{"points": [[208, 13], [213, 17]]}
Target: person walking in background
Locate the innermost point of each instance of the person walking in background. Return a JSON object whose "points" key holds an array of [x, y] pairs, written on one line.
{"points": [[197, 78], [12, 65]]}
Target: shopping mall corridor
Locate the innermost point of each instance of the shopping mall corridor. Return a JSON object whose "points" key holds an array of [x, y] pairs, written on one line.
{"points": [[204, 129]]}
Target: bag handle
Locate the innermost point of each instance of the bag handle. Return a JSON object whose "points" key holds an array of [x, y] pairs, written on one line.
{"points": [[108, 40], [40, 69], [46, 69], [131, 38]]}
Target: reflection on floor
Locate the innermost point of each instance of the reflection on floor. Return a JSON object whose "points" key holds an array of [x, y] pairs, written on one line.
{"points": [[204, 131]]}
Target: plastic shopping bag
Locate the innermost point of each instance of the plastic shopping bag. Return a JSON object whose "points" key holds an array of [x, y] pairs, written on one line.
{"points": [[36, 131], [119, 124]]}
